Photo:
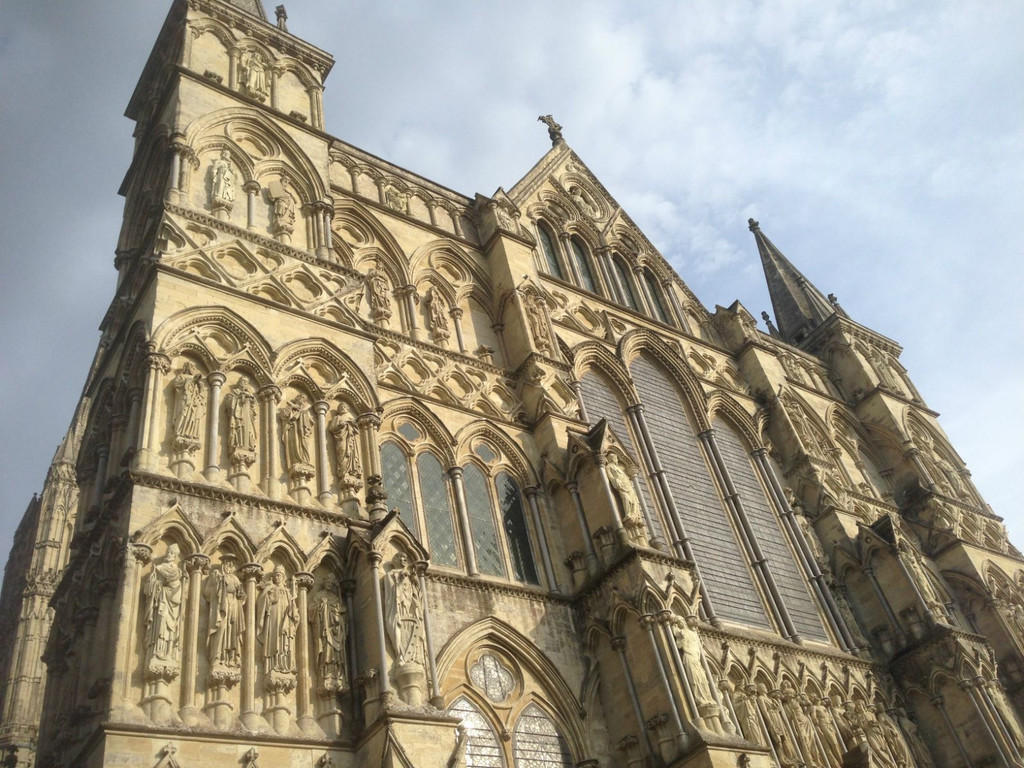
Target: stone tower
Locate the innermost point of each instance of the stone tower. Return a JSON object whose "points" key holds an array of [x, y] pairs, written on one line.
{"points": [[370, 472]]}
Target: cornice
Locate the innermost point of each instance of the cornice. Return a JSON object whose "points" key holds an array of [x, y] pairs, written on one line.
{"points": [[535, 594]]}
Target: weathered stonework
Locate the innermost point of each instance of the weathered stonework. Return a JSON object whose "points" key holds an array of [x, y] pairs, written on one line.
{"points": [[369, 472]]}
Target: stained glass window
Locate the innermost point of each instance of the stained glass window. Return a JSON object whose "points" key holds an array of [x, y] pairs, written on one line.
{"points": [[437, 510], [550, 257], [492, 677], [511, 504], [655, 293], [537, 742], [583, 266], [398, 482], [482, 747], [481, 523], [409, 432], [627, 288]]}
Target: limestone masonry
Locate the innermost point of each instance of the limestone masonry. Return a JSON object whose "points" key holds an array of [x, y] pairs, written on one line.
{"points": [[368, 472]]}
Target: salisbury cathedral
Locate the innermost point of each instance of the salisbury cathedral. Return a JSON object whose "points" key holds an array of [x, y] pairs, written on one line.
{"points": [[368, 472]]}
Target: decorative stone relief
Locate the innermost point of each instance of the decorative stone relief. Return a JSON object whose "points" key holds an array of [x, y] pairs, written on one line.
{"points": [[622, 484], [535, 308], [297, 424], [346, 441], [395, 199], [164, 591], [329, 620], [222, 186], [377, 296], [775, 723], [403, 622], [554, 129], [437, 320], [284, 210], [254, 77], [242, 426]]}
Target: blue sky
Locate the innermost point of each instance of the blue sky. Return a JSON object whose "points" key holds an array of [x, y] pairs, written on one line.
{"points": [[880, 145]]}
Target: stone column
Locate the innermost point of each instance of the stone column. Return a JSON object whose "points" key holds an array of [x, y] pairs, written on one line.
{"points": [[618, 644], [127, 601], [303, 664], [216, 379], [368, 423], [323, 474], [348, 588], [465, 535], [455, 313], [570, 262], [100, 481], [581, 518], [251, 189], [233, 56], [647, 621], [542, 540], [311, 231], [196, 565], [577, 388], [436, 699], [617, 527], [323, 223], [269, 397], [665, 620], [174, 179], [158, 366], [642, 294], [869, 572], [969, 687], [385, 694], [250, 573]]}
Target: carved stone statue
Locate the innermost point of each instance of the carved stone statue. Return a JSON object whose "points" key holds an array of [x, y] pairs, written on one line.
{"points": [[242, 428], [394, 198], [189, 408], [893, 738], [297, 423], [623, 485], [745, 704], [775, 722], [684, 633], [997, 696], [330, 632], [164, 591], [284, 208], [866, 721], [583, 202], [437, 320], [404, 612], [276, 618], [803, 726], [922, 755], [536, 316], [377, 295], [223, 187], [255, 77], [346, 440], [225, 594], [554, 129], [831, 743], [923, 581]]}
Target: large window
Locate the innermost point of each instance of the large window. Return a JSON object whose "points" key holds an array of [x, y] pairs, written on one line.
{"points": [[482, 747], [547, 247], [654, 291], [580, 258], [536, 742], [493, 507], [626, 295]]}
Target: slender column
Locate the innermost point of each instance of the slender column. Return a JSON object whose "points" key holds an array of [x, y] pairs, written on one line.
{"points": [[136, 556], [657, 541], [642, 295], [311, 235], [869, 571], [577, 388], [665, 620], [647, 621], [216, 379], [603, 275], [158, 365], [233, 54], [251, 189], [968, 687], [272, 74], [613, 505], [666, 286], [570, 262], [463, 512], [251, 573], [897, 550], [303, 704], [100, 480], [270, 396], [588, 541], [132, 429], [174, 178], [811, 567], [435, 698], [759, 561], [404, 295], [542, 539], [197, 565], [985, 698], [619, 646], [682, 544], [382, 651], [322, 225], [939, 703], [348, 588], [323, 474], [456, 315]]}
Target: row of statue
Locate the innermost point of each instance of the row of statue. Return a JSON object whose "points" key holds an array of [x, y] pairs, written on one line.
{"points": [[223, 183], [296, 420], [276, 620]]}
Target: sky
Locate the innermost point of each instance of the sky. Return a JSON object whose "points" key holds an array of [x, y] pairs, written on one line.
{"points": [[879, 143]]}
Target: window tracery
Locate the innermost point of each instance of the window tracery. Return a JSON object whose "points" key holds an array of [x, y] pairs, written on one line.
{"points": [[482, 747]]}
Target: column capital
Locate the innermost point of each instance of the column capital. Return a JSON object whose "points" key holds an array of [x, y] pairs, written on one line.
{"points": [[635, 408], [618, 643], [572, 486], [142, 553], [648, 620], [368, 419], [375, 557], [270, 391], [304, 580], [251, 571], [251, 187], [216, 378], [321, 407], [420, 566], [531, 491], [456, 473], [197, 562], [158, 361]]}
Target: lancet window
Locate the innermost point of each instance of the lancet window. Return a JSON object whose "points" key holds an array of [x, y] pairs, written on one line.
{"points": [[623, 284], [536, 741], [547, 247], [582, 261], [493, 507], [657, 302]]}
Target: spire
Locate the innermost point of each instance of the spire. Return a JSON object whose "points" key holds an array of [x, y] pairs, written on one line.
{"points": [[799, 306], [254, 7]]}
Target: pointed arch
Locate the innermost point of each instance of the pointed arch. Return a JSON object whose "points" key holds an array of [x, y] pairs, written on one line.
{"points": [[641, 341], [595, 356], [441, 440], [325, 371], [220, 337], [172, 523], [518, 461], [384, 249]]}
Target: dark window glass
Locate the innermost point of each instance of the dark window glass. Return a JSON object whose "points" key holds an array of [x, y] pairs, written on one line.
{"points": [[398, 481], [511, 503], [655, 292], [583, 266], [437, 510], [481, 523], [547, 246], [627, 288]]}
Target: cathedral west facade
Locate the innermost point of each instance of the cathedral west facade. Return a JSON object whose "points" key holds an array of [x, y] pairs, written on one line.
{"points": [[370, 472]]}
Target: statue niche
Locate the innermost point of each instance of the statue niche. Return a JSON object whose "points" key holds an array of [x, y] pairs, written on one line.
{"points": [[403, 623]]}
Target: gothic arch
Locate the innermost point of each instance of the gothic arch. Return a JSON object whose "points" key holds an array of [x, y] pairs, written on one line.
{"points": [[339, 375], [236, 338], [725, 407], [441, 439], [281, 545], [517, 462], [216, 28], [494, 632], [636, 343], [290, 64], [593, 355], [231, 537], [172, 524]]}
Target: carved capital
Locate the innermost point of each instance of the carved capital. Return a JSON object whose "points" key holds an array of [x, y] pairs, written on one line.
{"points": [[197, 562], [142, 553], [270, 392], [618, 643], [216, 379], [304, 580], [321, 407], [251, 187], [572, 487], [251, 572], [368, 419]]}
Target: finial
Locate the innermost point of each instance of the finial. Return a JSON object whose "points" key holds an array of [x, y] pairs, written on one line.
{"points": [[282, 18], [754, 226], [554, 130], [768, 322]]}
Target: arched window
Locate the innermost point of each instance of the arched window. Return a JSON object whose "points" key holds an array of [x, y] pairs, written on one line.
{"points": [[437, 510], [654, 291], [510, 502], [398, 481], [579, 256], [625, 286], [537, 742], [481, 523], [482, 747], [547, 247]]}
